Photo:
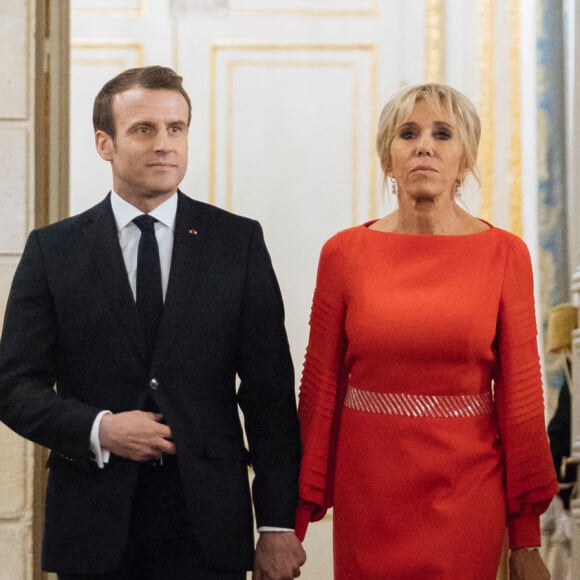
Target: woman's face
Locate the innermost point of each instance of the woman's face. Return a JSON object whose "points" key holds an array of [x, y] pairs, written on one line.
{"points": [[426, 154]]}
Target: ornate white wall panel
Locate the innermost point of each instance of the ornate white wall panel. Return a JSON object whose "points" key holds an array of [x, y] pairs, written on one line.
{"points": [[14, 41], [292, 135]]}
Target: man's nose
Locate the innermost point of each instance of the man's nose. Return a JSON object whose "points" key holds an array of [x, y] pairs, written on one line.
{"points": [[161, 141]]}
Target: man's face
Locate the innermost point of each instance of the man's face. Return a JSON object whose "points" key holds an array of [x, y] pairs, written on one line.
{"points": [[148, 155]]}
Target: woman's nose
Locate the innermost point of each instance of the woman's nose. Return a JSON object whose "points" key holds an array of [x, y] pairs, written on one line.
{"points": [[424, 145]]}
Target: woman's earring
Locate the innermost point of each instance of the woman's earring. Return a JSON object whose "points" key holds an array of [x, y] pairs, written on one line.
{"points": [[393, 185], [458, 189]]}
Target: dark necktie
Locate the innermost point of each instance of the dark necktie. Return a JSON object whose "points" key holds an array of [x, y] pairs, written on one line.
{"points": [[149, 291]]}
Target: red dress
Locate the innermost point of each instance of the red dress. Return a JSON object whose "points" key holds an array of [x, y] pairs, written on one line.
{"points": [[421, 404]]}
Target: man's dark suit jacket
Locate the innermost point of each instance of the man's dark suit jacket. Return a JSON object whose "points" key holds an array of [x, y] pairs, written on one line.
{"points": [[71, 320]]}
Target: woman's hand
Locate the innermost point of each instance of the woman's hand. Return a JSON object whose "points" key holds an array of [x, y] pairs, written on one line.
{"points": [[526, 565]]}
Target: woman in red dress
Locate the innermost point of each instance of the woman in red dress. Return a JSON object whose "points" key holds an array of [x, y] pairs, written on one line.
{"points": [[421, 399]]}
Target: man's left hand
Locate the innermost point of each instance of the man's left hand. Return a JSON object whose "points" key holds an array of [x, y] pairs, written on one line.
{"points": [[279, 556]]}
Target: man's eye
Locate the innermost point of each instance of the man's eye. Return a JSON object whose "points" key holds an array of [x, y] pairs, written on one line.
{"points": [[143, 130]]}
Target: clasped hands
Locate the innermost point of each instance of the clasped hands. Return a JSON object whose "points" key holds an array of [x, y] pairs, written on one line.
{"points": [[279, 556]]}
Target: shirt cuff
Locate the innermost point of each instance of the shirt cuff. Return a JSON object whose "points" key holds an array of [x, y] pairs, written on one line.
{"points": [[524, 531], [273, 529], [100, 455]]}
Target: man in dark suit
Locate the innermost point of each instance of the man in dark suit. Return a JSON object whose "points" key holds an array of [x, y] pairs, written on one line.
{"points": [[142, 311]]}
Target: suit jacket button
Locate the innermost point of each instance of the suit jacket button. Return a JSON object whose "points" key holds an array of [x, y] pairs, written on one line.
{"points": [[154, 384]]}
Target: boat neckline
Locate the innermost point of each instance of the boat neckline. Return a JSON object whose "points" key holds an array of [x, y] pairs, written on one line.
{"points": [[366, 225]]}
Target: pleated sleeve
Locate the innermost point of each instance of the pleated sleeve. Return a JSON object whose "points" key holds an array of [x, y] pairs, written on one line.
{"points": [[530, 479], [322, 388]]}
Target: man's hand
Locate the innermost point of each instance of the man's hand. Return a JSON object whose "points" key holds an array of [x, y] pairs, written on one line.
{"points": [[136, 435], [526, 565], [279, 556]]}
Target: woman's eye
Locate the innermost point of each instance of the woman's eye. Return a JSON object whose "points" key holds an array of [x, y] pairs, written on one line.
{"points": [[407, 134], [443, 135]]}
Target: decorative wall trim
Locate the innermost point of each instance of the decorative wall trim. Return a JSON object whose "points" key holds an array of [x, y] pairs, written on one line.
{"points": [[140, 8], [313, 12], [107, 45], [435, 41], [486, 106], [275, 48], [515, 152]]}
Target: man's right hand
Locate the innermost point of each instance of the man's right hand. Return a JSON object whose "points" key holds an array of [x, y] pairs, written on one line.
{"points": [[136, 435]]}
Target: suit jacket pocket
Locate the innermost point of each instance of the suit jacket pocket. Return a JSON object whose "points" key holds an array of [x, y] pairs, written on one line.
{"points": [[225, 448]]}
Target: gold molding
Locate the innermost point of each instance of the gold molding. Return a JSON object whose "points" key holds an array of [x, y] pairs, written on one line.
{"points": [[371, 49], [486, 106], [515, 153], [435, 41], [236, 45], [139, 10], [107, 45], [371, 12], [116, 62]]}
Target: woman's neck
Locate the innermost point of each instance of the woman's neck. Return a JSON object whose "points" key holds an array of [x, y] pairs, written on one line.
{"points": [[422, 219], [430, 217]]}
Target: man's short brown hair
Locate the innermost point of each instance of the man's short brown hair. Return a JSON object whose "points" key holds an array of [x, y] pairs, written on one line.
{"points": [[148, 77]]}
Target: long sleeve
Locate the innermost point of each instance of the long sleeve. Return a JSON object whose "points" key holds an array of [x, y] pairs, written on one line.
{"points": [[530, 479], [28, 403], [322, 388], [266, 394]]}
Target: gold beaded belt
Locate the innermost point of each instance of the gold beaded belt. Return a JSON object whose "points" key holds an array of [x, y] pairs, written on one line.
{"points": [[408, 405]]}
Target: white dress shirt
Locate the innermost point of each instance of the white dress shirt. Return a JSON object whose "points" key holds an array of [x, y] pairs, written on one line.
{"points": [[129, 236]]}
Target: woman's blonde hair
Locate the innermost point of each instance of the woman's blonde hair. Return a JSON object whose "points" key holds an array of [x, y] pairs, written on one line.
{"points": [[441, 98]]}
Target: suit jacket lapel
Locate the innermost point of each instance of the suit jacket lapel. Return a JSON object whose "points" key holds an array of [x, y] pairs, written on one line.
{"points": [[101, 233], [190, 263]]}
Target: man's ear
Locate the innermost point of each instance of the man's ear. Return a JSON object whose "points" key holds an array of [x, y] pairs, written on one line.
{"points": [[104, 144]]}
